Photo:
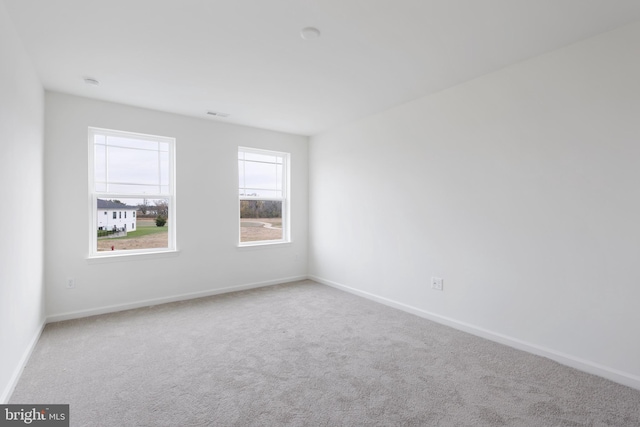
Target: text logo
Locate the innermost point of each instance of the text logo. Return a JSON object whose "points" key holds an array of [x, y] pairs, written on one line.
{"points": [[34, 415]]}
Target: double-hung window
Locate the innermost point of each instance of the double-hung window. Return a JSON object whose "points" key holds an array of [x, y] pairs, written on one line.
{"points": [[126, 171], [264, 196]]}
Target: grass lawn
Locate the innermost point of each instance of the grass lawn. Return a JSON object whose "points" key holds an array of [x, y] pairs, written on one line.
{"points": [[143, 228]]}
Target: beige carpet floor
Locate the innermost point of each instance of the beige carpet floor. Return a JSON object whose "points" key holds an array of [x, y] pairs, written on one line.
{"points": [[303, 354]]}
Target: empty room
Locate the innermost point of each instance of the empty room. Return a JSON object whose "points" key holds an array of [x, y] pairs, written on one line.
{"points": [[320, 212]]}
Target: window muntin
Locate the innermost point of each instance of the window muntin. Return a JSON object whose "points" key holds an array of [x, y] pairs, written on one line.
{"points": [[263, 196], [131, 169]]}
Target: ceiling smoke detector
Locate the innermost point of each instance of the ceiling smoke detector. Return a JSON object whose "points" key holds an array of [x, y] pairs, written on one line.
{"points": [[310, 33], [217, 114]]}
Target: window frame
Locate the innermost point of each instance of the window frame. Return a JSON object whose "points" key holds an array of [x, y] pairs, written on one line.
{"points": [[95, 195], [285, 199]]}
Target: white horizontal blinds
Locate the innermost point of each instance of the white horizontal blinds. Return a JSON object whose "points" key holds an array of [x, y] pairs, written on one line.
{"points": [[261, 175], [130, 165]]}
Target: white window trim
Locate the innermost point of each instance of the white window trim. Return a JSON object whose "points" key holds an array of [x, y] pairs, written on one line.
{"points": [[286, 199], [94, 196]]}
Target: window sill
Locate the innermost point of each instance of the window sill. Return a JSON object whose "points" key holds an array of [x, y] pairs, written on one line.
{"points": [[257, 246], [123, 257]]}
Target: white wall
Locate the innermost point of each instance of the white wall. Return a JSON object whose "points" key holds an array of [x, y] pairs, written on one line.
{"points": [[21, 238], [520, 189], [207, 211]]}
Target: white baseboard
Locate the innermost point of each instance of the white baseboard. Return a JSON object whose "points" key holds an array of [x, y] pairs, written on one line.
{"points": [[17, 372], [617, 376], [155, 301]]}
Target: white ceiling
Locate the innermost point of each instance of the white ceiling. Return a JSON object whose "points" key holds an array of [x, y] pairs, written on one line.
{"points": [[246, 57]]}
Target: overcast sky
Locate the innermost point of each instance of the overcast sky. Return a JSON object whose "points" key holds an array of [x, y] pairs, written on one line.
{"points": [[138, 166]]}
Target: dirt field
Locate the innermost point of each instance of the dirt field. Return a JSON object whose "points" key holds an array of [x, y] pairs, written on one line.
{"points": [[256, 229], [160, 240], [157, 240]]}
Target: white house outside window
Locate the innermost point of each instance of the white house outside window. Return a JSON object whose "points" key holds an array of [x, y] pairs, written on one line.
{"points": [[131, 172], [263, 196]]}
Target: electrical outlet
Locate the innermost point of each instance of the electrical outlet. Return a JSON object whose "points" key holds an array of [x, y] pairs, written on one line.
{"points": [[71, 283], [437, 283]]}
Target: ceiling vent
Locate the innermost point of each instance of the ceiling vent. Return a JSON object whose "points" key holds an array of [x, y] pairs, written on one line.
{"points": [[217, 114]]}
